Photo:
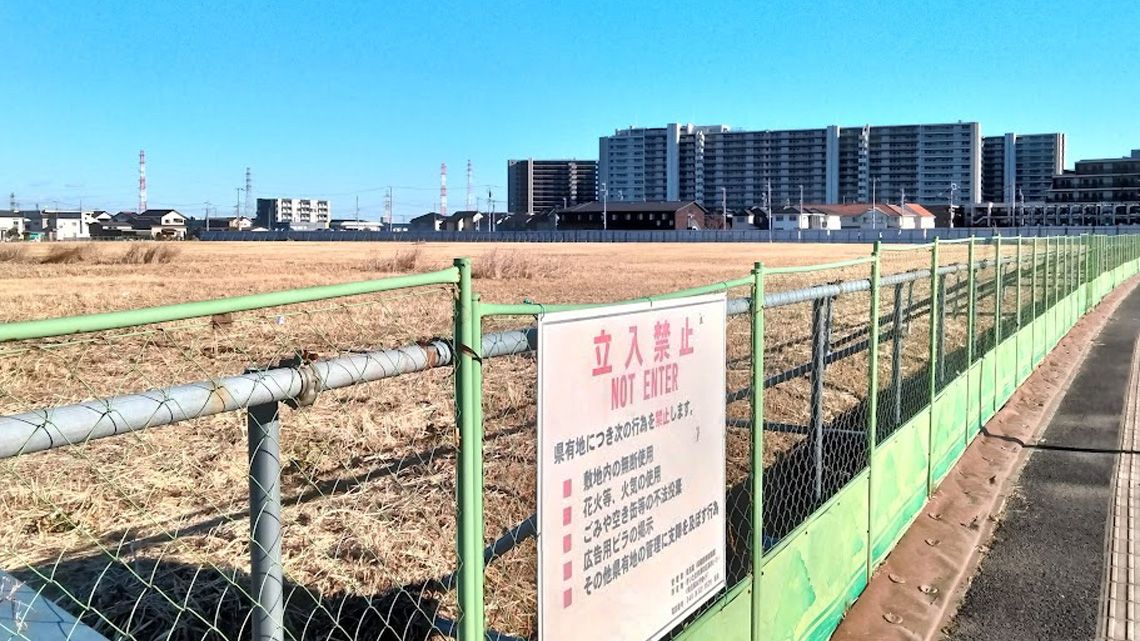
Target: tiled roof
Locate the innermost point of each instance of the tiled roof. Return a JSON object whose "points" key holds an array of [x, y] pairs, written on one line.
{"points": [[630, 207]]}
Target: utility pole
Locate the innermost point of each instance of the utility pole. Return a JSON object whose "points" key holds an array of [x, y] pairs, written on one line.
{"points": [[12, 201], [605, 194], [953, 188], [207, 203], [358, 209], [237, 204], [1021, 197], [768, 202], [874, 214], [724, 205], [492, 202]]}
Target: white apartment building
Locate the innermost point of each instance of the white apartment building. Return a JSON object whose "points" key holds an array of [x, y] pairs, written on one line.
{"points": [[293, 213], [714, 164]]}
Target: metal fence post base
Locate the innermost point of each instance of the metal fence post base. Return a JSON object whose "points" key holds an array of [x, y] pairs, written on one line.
{"points": [[266, 573]]}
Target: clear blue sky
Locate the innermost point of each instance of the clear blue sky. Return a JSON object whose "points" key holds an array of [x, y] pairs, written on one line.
{"points": [[339, 99]]}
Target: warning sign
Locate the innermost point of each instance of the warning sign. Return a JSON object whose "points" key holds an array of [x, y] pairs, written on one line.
{"points": [[631, 472]]}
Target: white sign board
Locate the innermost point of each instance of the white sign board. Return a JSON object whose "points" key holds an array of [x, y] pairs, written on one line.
{"points": [[631, 467]]}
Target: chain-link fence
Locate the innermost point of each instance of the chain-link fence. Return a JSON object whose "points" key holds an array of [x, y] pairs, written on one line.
{"points": [[816, 365], [381, 480], [342, 495]]}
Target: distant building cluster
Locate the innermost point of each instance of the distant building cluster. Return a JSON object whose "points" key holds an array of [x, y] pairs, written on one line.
{"points": [[50, 224], [948, 170], [685, 176]]}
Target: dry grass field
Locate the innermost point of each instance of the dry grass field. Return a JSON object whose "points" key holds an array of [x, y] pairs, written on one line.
{"points": [[151, 528], [102, 281]]}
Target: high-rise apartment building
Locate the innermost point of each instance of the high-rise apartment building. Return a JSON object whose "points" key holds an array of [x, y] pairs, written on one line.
{"points": [[713, 164], [538, 186], [915, 163], [299, 213], [1017, 168]]}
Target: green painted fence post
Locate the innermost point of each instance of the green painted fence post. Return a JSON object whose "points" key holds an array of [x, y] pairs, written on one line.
{"points": [[1033, 309], [757, 446], [1086, 248], [999, 292], [1072, 283], [1048, 289], [1017, 331], [1115, 261], [971, 293], [873, 406], [470, 491], [1020, 273], [932, 378]]}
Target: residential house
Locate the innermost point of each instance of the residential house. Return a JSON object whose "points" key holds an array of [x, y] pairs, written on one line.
{"points": [[63, 225], [13, 224], [161, 224], [656, 215], [806, 217], [342, 224], [431, 221], [467, 220], [165, 224], [854, 216]]}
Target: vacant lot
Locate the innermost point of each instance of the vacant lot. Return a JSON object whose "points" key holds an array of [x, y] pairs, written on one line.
{"points": [[97, 282], [151, 528]]}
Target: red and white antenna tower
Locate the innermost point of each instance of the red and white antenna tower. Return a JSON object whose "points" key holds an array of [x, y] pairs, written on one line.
{"points": [[470, 188], [443, 189], [142, 181]]}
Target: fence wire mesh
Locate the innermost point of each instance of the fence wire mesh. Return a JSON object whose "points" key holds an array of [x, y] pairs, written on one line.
{"points": [[953, 313], [147, 535], [816, 364], [985, 297], [1039, 292], [904, 326]]}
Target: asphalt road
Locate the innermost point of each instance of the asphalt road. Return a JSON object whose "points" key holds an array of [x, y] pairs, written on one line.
{"points": [[1042, 577]]}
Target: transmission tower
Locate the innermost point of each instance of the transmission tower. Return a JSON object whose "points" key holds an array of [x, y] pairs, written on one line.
{"points": [[443, 189], [388, 207], [142, 181], [470, 188], [248, 192]]}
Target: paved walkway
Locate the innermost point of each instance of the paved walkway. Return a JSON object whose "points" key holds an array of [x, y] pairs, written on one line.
{"points": [[1064, 563]]}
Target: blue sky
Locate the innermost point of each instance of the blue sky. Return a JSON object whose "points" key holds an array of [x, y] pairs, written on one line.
{"points": [[340, 99]]}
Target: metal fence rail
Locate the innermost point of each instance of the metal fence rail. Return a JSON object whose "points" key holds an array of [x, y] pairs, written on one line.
{"points": [[824, 411]]}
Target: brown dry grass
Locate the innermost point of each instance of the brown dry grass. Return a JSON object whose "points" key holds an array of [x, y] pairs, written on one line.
{"points": [[12, 253], [368, 484]]}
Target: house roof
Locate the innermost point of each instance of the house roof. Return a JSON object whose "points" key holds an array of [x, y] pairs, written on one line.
{"points": [[161, 212], [919, 210], [464, 213], [14, 213], [429, 216], [623, 207], [859, 209]]}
